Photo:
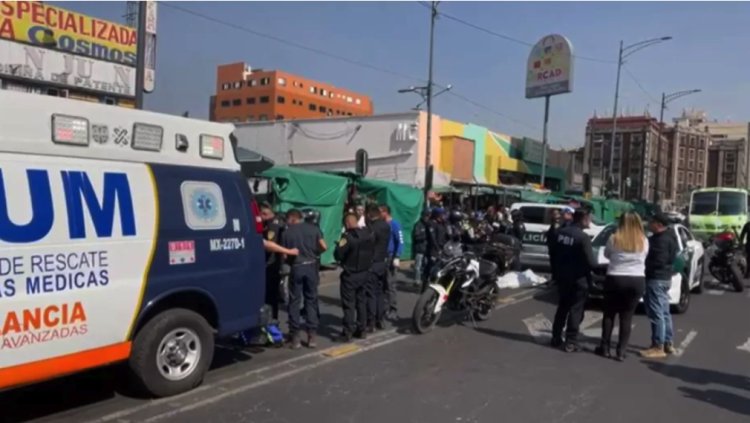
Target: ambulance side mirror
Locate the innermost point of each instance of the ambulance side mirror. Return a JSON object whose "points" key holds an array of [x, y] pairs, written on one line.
{"points": [[181, 143]]}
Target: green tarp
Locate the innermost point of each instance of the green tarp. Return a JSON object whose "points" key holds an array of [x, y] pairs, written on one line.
{"points": [[326, 193], [406, 204]]}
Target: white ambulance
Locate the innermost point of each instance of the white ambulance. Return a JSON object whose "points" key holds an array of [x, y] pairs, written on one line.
{"points": [[124, 236]]}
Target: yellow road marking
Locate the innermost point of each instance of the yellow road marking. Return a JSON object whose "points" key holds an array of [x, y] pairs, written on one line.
{"points": [[341, 351]]}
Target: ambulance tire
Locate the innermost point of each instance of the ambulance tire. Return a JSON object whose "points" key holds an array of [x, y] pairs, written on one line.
{"points": [[143, 362]]}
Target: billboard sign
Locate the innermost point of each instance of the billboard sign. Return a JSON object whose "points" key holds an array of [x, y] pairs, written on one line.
{"points": [[44, 25], [549, 70], [46, 66]]}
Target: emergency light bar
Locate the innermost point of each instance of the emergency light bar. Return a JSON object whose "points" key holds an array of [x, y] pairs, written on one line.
{"points": [[147, 137], [212, 147], [70, 130]]}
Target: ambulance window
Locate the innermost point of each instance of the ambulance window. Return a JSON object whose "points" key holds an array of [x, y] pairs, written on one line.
{"points": [[203, 205]]}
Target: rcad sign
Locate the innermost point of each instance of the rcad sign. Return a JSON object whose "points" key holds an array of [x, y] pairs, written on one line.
{"points": [[49, 66], [549, 69]]}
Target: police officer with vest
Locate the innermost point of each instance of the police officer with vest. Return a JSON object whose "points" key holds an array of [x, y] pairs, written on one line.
{"points": [[355, 252], [273, 227], [378, 291], [573, 251]]}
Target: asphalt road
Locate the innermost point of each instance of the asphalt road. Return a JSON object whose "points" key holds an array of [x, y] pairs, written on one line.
{"points": [[500, 370]]}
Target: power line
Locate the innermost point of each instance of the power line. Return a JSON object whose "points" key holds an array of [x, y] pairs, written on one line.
{"points": [[513, 39], [290, 43], [337, 57], [630, 74]]}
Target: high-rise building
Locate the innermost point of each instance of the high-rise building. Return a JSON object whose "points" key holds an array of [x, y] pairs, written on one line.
{"points": [[245, 95], [688, 157], [634, 159]]}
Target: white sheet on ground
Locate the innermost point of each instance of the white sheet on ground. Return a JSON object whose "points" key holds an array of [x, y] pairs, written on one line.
{"points": [[525, 279]]}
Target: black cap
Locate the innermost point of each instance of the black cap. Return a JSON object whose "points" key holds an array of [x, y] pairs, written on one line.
{"points": [[660, 218]]}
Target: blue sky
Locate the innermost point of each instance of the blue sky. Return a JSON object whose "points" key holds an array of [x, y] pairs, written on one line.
{"points": [[709, 51]]}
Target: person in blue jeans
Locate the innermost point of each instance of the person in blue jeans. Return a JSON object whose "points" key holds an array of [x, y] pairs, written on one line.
{"points": [[395, 249], [659, 263]]}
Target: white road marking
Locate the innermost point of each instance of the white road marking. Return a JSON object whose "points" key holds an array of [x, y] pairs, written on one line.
{"points": [[685, 343], [715, 292], [219, 385], [745, 347], [266, 381]]}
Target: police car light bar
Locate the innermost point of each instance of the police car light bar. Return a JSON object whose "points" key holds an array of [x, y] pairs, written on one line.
{"points": [[147, 137], [70, 130], [212, 147]]}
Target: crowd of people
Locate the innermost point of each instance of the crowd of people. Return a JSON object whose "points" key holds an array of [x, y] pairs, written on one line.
{"points": [[368, 252], [639, 266], [370, 249]]}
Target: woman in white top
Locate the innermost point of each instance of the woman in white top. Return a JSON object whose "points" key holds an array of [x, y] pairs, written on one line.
{"points": [[626, 250]]}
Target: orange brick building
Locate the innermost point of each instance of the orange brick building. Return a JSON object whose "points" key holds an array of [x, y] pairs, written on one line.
{"points": [[244, 95]]}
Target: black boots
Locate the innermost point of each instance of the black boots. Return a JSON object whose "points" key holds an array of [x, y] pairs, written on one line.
{"points": [[603, 350]]}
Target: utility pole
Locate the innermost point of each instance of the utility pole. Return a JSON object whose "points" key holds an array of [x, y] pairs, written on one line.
{"points": [[140, 63], [624, 53], [665, 99], [428, 149]]}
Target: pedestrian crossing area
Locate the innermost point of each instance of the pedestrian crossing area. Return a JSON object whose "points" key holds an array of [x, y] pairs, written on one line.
{"points": [[539, 326]]}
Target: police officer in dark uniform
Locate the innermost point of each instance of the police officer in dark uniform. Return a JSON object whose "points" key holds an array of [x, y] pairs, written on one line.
{"points": [[573, 250], [304, 278], [273, 227], [437, 238], [377, 294], [354, 252]]}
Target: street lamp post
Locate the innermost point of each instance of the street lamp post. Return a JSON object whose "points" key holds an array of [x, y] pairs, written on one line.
{"points": [[665, 99], [625, 52]]}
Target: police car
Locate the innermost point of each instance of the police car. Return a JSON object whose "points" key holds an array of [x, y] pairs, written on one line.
{"points": [[536, 217], [124, 236], [689, 279]]}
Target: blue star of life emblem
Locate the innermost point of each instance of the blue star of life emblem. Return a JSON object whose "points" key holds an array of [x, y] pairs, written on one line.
{"points": [[204, 205]]}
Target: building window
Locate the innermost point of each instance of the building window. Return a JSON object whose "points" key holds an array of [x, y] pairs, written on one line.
{"points": [[238, 85], [263, 117], [682, 140], [330, 95], [312, 107], [279, 117], [349, 99], [357, 101], [250, 100], [322, 109], [682, 152], [692, 141], [252, 83], [225, 103], [281, 81], [264, 99], [680, 176], [691, 154], [348, 114], [250, 118], [330, 113], [280, 99], [225, 86], [313, 90], [690, 178], [299, 103], [699, 179], [323, 92], [236, 102], [265, 81]]}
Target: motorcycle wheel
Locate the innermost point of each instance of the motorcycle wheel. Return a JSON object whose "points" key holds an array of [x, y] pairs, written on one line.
{"points": [[484, 310], [738, 277], [424, 318]]}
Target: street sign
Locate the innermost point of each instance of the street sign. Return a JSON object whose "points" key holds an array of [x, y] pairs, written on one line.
{"points": [[549, 69]]}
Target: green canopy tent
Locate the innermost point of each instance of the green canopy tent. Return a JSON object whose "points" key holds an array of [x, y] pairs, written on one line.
{"points": [[298, 188], [406, 203]]}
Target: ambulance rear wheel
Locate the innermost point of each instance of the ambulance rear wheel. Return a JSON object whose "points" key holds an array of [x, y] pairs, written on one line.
{"points": [[172, 352]]}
